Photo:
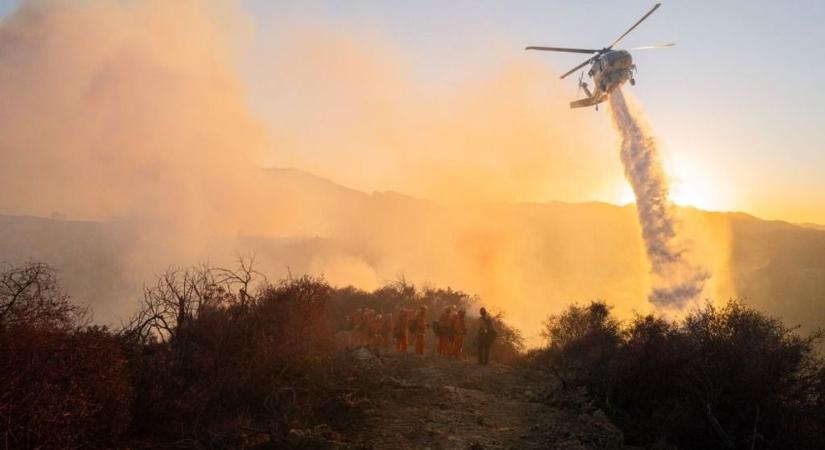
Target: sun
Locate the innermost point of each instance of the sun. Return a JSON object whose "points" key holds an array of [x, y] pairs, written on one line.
{"points": [[688, 186], [626, 196], [685, 193], [692, 184], [682, 193]]}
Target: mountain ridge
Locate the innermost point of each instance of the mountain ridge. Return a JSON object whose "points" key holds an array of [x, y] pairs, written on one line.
{"points": [[525, 258]]}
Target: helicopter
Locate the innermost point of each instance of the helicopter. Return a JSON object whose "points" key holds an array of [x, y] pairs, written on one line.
{"points": [[609, 68]]}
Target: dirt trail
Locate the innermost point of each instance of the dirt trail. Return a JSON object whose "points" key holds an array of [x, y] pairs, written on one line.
{"points": [[434, 403]]}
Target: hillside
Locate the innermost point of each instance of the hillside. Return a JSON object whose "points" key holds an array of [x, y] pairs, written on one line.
{"points": [[529, 259]]}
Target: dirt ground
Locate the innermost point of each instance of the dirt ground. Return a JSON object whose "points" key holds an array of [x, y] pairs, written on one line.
{"points": [[432, 403]]}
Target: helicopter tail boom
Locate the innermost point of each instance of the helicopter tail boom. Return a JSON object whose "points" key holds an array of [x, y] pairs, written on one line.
{"points": [[589, 101]]}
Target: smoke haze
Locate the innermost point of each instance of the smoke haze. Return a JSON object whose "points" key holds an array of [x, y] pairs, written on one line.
{"points": [[678, 282], [136, 113]]}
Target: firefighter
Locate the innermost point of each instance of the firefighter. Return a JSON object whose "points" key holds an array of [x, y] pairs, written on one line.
{"points": [[443, 330], [387, 330], [402, 326], [366, 327], [459, 331], [376, 329], [486, 335], [419, 327]]}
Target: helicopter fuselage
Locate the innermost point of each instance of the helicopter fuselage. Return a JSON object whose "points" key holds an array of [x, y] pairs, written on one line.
{"points": [[610, 71], [609, 68]]}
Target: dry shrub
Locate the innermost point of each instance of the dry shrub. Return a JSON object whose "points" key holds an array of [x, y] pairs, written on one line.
{"points": [[30, 297], [219, 367], [582, 343], [294, 318], [728, 377], [64, 385], [213, 358]]}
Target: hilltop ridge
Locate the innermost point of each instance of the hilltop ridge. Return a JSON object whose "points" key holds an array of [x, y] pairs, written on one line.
{"points": [[522, 255]]}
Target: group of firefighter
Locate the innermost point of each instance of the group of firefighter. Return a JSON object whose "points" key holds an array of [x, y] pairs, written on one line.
{"points": [[409, 326]]}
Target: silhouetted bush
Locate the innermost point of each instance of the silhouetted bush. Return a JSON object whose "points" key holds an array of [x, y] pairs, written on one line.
{"points": [[218, 366], [728, 377], [582, 342], [212, 358], [219, 359], [30, 297], [63, 385]]}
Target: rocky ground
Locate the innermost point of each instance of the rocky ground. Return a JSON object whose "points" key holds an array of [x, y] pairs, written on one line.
{"points": [[432, 403]]}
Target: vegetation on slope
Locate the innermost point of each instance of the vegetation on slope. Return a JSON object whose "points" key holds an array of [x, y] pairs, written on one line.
{"points": [[721, 377], [213, 358], [217, 358]]}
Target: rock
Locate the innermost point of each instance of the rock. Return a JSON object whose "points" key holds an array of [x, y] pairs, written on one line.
{"points": [[362, 354], [295, 436]]}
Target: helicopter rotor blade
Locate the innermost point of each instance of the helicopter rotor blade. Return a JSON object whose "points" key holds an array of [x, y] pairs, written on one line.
{"points": [[655, 7], [588, 61], [648, 47], [562, 49]]}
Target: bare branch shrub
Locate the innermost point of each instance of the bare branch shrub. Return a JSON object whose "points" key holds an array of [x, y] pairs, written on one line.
{"points": [[30, 296]]}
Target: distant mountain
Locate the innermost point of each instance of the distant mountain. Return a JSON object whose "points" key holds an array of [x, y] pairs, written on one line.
{"points": [[526, 258]]}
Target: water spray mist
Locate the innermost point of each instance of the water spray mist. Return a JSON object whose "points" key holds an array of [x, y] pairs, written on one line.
{"points": [[677, 281]]}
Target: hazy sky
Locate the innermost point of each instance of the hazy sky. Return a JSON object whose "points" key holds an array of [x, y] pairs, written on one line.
{"points": [[737, 104]]}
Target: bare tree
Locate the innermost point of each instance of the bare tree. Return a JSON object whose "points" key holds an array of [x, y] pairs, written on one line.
{"points": [[180, 295], [243, 276], [31, 296]]}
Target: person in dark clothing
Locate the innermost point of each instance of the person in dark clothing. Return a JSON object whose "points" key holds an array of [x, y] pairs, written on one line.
{"points": [[486, 336]]}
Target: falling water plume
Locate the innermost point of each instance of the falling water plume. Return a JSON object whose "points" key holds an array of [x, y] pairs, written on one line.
{"points": [[677, 282]]}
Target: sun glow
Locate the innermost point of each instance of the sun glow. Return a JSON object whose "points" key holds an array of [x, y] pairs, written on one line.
{"points": [[682, 192], [690, 185], [686, 193], [626, 196]]}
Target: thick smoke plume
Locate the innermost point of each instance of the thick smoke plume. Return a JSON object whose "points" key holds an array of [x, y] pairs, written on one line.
{"points": [[678, 281], [139, 117]]}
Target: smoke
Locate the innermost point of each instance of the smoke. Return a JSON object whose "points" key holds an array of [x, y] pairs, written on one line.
{"points": [[137, 113], [501, 132], [678, 282]]}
